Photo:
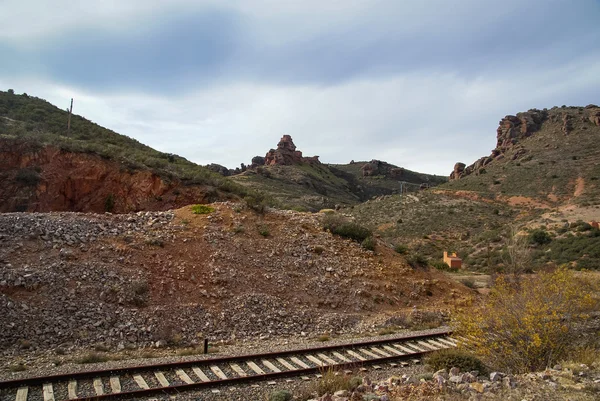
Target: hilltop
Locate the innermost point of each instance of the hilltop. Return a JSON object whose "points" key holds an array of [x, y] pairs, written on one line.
{"points": [[304, 183], [91, 168], [94, 169], [549, 157], [541, 178]]}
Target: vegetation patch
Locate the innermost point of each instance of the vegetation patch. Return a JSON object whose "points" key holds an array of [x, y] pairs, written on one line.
{"points": [[109, 203], [280, 395], [264, 230], [92, 357], [454, 357], [339, 226], [540, 237], [369, 243], [332, 381], [528, 322], [401, 249], [580, 251], [19, 367], [28, 176], [202, 209]]}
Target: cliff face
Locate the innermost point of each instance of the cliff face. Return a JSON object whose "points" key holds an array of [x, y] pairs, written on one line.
{"points": [[512, 130], [48, 179]]}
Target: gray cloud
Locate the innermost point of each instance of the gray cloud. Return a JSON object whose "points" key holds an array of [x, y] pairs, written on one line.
{"points": [[419, 84]]}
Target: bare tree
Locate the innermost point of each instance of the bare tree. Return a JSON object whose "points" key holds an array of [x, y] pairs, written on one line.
{"points": [[517, 255]]}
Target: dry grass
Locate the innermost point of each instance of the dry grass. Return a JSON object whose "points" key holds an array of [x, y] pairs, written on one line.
{"points": [[323, 338], [190, 351], [92, 357], [332, 381]]}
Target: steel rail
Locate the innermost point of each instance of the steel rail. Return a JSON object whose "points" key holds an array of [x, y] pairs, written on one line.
{"points": [[239, 380], [32, 381]]}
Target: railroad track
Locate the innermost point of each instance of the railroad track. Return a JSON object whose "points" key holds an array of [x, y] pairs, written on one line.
{"points": [[151, 380]]}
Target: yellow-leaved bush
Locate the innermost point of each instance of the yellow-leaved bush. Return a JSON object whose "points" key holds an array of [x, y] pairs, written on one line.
{"points": [[527, 324]]}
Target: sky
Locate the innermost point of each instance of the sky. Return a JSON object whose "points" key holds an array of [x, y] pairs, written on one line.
{"points": [[421, 84]]}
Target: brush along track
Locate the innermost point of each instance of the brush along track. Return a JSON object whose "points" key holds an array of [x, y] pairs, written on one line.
{"points": [[148, 380]]}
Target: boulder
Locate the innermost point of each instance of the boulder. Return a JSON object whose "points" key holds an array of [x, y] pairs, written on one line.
{"points": [[457, 173], [595, 116]]}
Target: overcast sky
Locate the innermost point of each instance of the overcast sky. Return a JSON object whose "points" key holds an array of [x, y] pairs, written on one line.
{"points": [[420, 84]]}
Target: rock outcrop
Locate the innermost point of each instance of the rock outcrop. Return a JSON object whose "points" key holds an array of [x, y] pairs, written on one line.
{"points": [[285, 154], [594, 115], [217, 168], [457, 173], [257, 161], [514, 129], [378, 167]]}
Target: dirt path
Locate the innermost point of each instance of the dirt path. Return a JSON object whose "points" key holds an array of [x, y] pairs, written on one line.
{"points": [[579, 187]]}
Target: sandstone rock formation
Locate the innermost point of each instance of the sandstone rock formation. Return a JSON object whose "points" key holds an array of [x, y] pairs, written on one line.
{"points": [[513, 129], [285, 155], [457, 173]]}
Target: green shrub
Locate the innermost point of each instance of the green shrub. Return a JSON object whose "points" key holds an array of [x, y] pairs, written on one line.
{"points": [[440, 265], [264, 230], [540, 237], [202, 209], [453, 357], [109, 203], [28, 177], [583, 226], [339, 226], [401, 249], [582, 249], [280, 395], [417, 261], [256, 202], [368, 243]]}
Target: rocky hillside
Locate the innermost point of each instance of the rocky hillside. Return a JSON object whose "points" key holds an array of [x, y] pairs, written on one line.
{"points": [[304, 183], [92, 168], [427, 223], [378, 177], [79, 279], [550, 156]]}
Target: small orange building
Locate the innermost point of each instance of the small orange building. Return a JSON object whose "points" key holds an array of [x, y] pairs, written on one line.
{"points": [[452, 260], [595, 224]]}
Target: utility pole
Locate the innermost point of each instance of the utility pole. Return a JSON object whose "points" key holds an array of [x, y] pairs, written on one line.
{"points": [[69, 121]]}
